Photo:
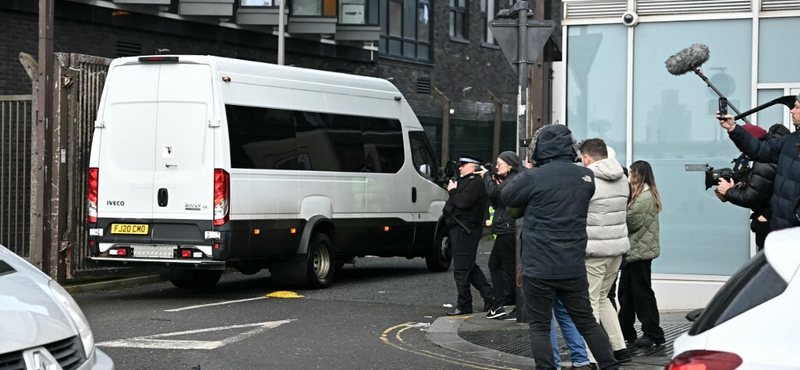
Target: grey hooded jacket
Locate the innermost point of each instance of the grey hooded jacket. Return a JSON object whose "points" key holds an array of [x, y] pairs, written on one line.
{"points": [[605, 223]]}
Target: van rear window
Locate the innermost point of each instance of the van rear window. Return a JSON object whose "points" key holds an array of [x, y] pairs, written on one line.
{"points": [[267, 138]]}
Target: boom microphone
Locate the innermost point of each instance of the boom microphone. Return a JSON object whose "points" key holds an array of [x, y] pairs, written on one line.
{"points": [[687, 60], [690, 60]]}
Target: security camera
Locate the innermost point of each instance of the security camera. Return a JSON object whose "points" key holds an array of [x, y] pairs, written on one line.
{"points": [[630, 19]]}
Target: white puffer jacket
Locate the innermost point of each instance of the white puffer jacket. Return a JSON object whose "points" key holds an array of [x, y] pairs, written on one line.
{"points": [[605, 223]]}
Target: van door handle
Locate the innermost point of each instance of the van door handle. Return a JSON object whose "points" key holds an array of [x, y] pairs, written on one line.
{"points": [[170, 165], [413, 194], [163, 197]]}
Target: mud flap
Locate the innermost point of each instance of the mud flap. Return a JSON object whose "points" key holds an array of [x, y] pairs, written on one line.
{"points": [[290, 271]]}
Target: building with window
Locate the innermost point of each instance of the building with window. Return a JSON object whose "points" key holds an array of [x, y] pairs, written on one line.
{"points": [[408, 42], [615, 86]]}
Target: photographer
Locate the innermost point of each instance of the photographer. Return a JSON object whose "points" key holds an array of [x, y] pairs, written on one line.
{"points": [[784, 152], [755, 191], [502, 261]]}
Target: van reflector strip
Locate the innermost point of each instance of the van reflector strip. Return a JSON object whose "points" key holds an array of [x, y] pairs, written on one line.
{"points": [[292, 231]]}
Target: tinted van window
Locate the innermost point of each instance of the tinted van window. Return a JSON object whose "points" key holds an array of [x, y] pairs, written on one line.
{"points": [[383, 144], [266, 138], [422, 155], [261, 138]]}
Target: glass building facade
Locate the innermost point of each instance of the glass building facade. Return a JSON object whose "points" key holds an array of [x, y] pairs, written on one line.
{"points": [[617, 88]]}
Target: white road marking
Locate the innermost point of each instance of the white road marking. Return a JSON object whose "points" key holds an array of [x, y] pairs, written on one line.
{"points": [[215, 304], [155, 341]]}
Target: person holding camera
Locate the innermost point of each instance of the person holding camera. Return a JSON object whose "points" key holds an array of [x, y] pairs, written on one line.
{"points": [[502, 260], [755, 191], [464, 214], [782, 151], [556, 198]]}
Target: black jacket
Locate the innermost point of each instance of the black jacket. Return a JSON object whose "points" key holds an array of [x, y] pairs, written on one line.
{"points": [[556, 196], [502, 223], [783, 151], [757, 191], [467, 203]]}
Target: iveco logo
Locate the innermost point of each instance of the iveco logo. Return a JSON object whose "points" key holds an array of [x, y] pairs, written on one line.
{"points": [[120, 203], [40, 359]]}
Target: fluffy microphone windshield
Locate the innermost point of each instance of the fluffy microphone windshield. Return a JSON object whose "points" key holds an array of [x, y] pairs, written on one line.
{"points": [[688, 59]]}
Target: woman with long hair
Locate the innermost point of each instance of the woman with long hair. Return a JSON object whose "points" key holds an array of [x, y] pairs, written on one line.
{"points": [[636, 297]]}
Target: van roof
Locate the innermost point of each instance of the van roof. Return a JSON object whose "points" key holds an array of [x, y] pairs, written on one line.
{"points": [[268, 69]]}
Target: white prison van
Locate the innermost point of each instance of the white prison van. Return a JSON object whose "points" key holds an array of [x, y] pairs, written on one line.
{"points": [[202, 162]]}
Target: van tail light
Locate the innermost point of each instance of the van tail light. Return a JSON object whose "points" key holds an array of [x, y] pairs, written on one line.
{"points": [[705, 360], [94, 179], [222, 196]]}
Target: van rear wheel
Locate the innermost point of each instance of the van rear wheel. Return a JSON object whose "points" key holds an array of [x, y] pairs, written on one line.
{"points": [[441, 255], [321, 261]]}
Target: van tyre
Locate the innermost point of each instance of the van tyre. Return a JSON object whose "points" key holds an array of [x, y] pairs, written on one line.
{"points": [[198, 279], [441, 255], [321, 262]]}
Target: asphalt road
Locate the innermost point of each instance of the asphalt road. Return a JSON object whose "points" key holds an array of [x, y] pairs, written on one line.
{"points": [[372, 317]]}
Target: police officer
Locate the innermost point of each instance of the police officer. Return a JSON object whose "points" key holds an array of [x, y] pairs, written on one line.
{"points": [[464, 213]]}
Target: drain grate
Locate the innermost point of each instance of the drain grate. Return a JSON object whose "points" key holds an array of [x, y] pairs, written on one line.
{"points": [[516, 341]]}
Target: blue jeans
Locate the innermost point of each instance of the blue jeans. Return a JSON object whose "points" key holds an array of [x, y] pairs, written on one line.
{"points": [[575, 343]]}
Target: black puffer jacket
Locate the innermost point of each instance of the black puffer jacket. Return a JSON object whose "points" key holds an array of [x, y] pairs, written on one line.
{"points": [[783, 151], [502, 223], [757, 192], [556, 196]]}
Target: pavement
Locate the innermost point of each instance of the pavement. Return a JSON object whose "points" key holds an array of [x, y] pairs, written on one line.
{"points": [[507, 341]]}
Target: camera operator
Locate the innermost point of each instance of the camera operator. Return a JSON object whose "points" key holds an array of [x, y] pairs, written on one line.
{"points": [[755, 191], [464, 213], [784, 152], [502, 261]]}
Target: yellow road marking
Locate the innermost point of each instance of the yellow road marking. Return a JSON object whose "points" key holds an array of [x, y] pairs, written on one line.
{"points": [[402, 346]]}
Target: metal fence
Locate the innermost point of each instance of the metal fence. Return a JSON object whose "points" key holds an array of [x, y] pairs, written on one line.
{"points": [[15, 165], [87, 76]]}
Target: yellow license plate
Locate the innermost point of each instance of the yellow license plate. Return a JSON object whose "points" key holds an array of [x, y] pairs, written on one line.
{"points": [[129, 229]]}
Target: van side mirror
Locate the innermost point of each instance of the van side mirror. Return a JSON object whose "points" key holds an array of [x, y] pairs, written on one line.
{"points": [[425, 169]]}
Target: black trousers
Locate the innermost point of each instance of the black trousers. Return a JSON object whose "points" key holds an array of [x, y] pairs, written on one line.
{"points": [[574, 294], [465, 271], [636, 299], [502, 269]]}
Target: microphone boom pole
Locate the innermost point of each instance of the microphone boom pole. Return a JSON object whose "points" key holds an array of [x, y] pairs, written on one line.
{"points": [[699, 73]]}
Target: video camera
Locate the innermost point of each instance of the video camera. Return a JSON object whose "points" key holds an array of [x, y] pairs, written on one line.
{"points": [[489, 166], [737, 173]]}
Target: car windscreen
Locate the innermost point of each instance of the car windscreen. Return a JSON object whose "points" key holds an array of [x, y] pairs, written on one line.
{"points": [[755, 283]]}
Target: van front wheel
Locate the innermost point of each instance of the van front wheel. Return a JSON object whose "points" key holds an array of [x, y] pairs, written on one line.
{"points": [[321, 262], [441, 255]]}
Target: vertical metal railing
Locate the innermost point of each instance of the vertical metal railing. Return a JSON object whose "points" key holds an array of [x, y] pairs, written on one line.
{"points": [[89, 79], [15, 152]]}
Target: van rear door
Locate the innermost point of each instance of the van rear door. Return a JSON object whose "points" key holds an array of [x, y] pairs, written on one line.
{"points": [[183, 183], [157, 152], [127, 150]]}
